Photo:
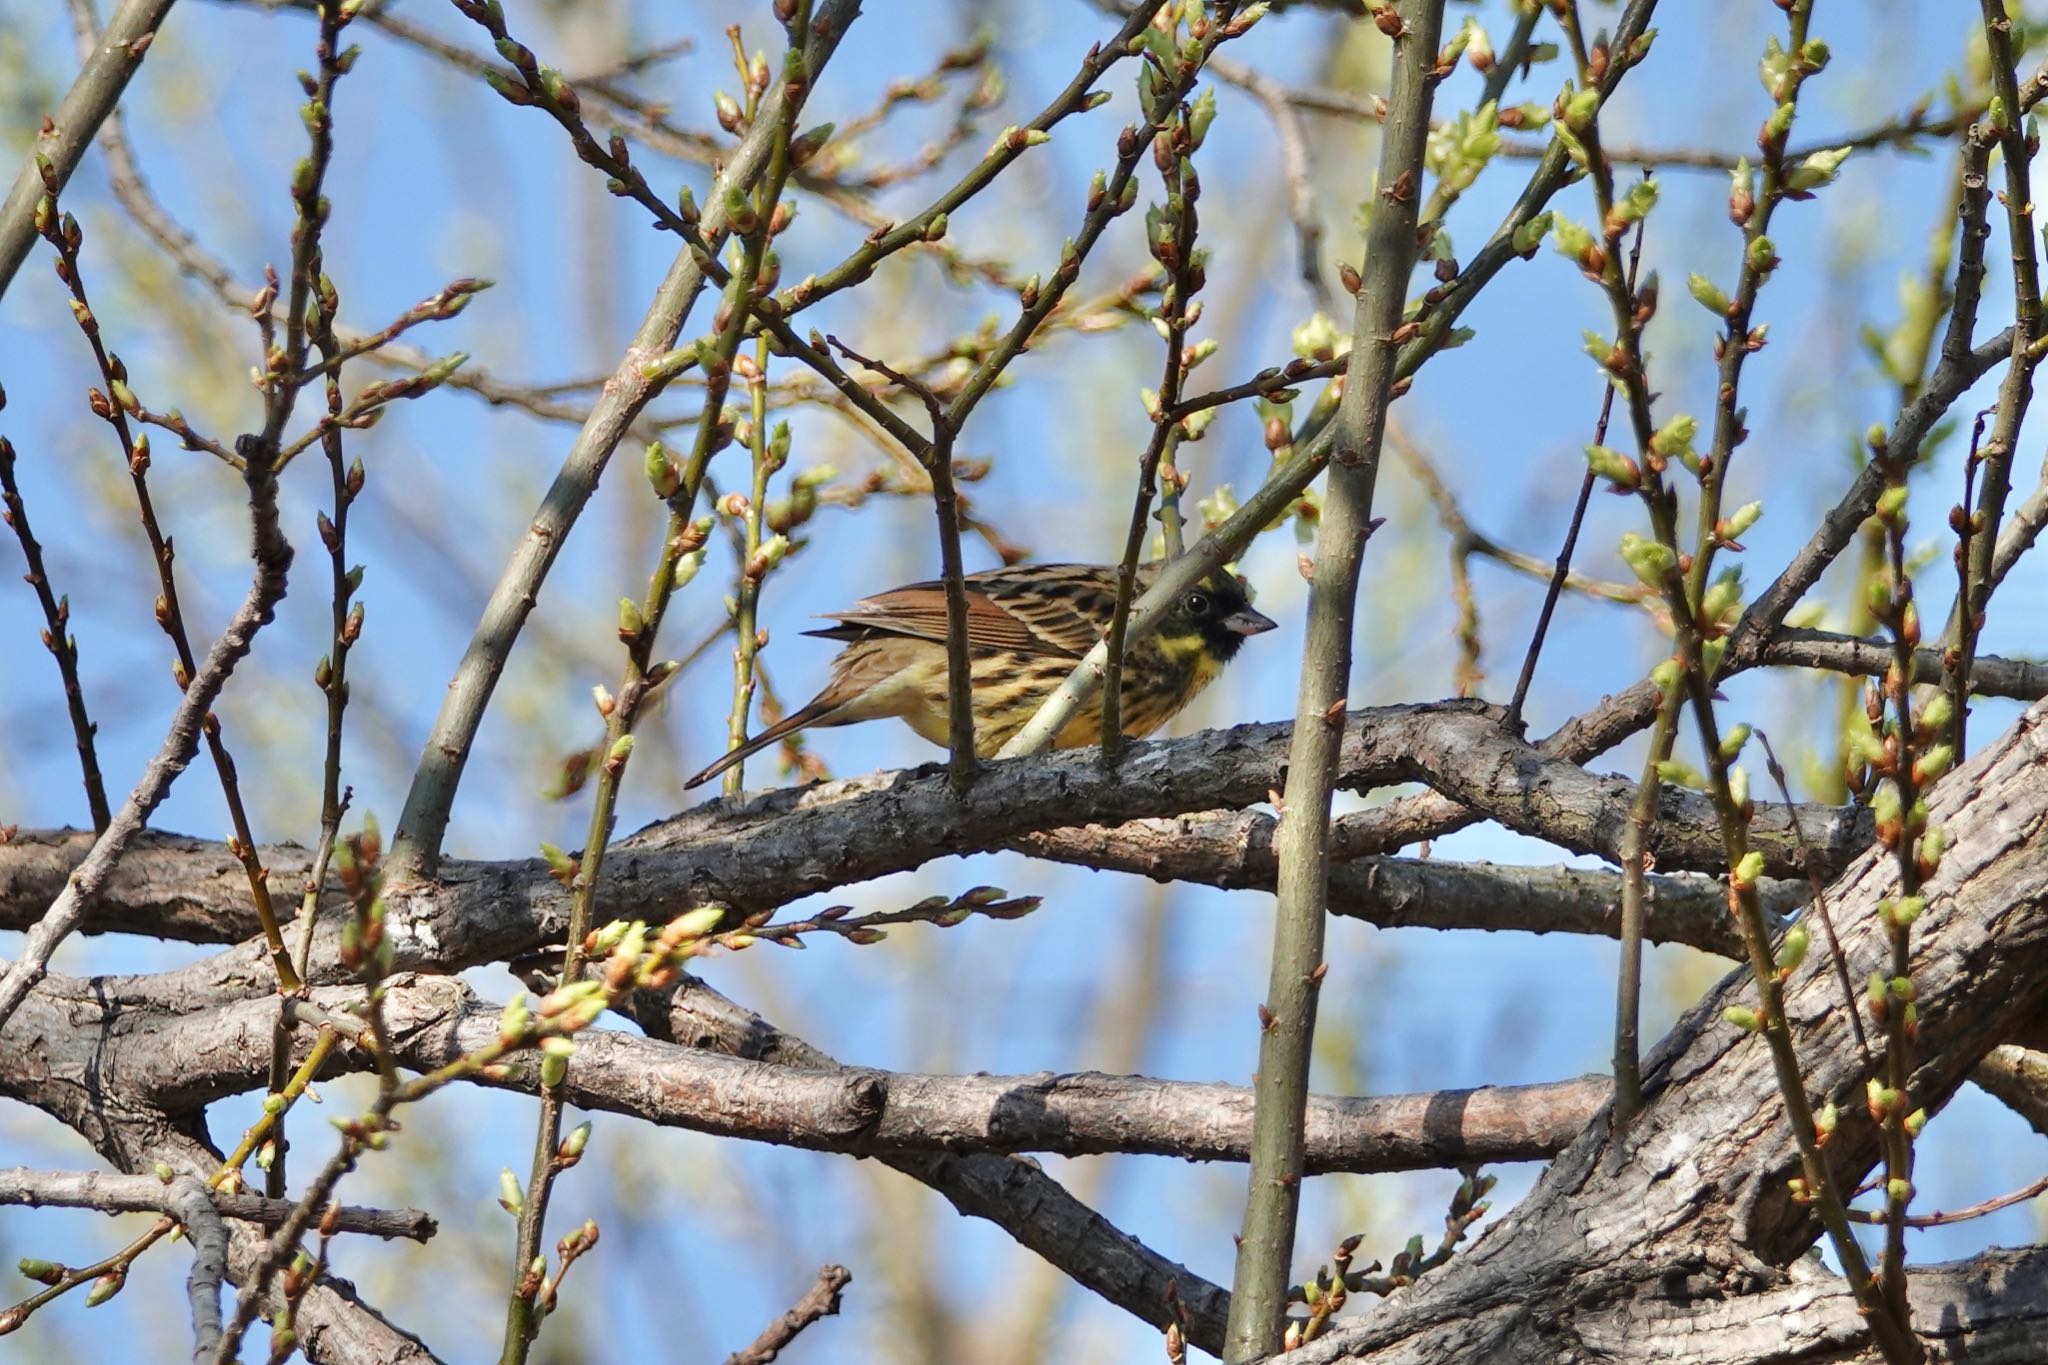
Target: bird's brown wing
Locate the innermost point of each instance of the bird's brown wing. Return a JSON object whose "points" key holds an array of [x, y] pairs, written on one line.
{"points": [[1057, 609]]}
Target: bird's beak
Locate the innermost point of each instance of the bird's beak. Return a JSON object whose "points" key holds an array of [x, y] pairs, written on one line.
{"points": [[1245, 621]]}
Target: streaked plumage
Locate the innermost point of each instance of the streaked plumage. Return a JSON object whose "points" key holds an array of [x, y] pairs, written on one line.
{"points": [[1026, 628]]}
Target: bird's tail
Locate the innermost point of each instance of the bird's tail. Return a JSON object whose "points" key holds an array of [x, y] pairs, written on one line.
{"points": [[788, 725]]}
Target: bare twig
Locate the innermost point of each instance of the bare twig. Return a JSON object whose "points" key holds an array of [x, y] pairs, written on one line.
{"points": [[820, 1301], [937, 461], [1571, 531], [57, 638], [273, 557], [111, 1193]]}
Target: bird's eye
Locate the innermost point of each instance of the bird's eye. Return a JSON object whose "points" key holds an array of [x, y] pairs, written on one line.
{"points": [[1197, 603]]}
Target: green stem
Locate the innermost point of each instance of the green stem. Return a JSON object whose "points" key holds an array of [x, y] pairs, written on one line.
{"points": [[1266, 1243]]}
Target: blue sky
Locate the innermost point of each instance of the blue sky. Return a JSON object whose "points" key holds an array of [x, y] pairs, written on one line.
{"points": [[435, 178]]}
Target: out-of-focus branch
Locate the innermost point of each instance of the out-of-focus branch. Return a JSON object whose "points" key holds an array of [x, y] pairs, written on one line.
{"points": [[821, 1300], [67, 133], [111, 1193]]}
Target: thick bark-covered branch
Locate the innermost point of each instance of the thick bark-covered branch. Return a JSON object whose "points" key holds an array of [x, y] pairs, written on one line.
{"points": [[1989, 1310], [1691, 1204], [794, 842], [1234, 850], [166, 1050]]}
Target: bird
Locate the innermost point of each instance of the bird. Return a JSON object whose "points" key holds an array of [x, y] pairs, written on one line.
{"points": [[1027, 626]]}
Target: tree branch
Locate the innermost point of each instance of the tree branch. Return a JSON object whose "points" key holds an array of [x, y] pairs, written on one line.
{"points": [[67, 133], [146, 1194], [822, 1300]]}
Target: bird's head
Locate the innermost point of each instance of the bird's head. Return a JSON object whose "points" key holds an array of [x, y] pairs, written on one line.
{"points": [[1218, 611]]}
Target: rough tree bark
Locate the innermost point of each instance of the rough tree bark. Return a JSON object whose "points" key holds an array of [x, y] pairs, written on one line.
{"points": [[1670, 1241]]}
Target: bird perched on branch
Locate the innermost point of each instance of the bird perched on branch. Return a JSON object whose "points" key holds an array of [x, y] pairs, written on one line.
{"points": [[1026, 629]]}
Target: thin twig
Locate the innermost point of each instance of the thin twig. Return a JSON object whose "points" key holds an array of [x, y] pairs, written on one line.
{"points": [[1820, 904], [1571, 531], [57, 637], [820, 1301], [937, 460]]}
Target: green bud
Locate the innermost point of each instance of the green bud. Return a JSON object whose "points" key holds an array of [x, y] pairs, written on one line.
{"points": [[1201, 114], [1651, 561], [1676, 436], [1635, 205], [554, 1069], [1738, 787], [105, 1287], [808, 144], [515, 1017], [1898, 1190], [1617, 468], [1936, 715], [1709, 294], [686, 569], [1732, 742], [1579, 108], [1933, 844], [1723, 598], [1906, 910], [621, 750], [1816, 170], [1792, 948], [1748, 871], [1934, 763], [1891, 502], [1740, 520], [1762, 256], [1667, 675], [578, 1139], [1914, 1122], [695, 924], [631, 622], [1775, 68], [662, 472], [1824, 1121], [1743, 1018], [41, 1271], [510, 1196], [1529, 235], [1680, 774], [1570, 238], [1780, 121], [669, 364]]}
